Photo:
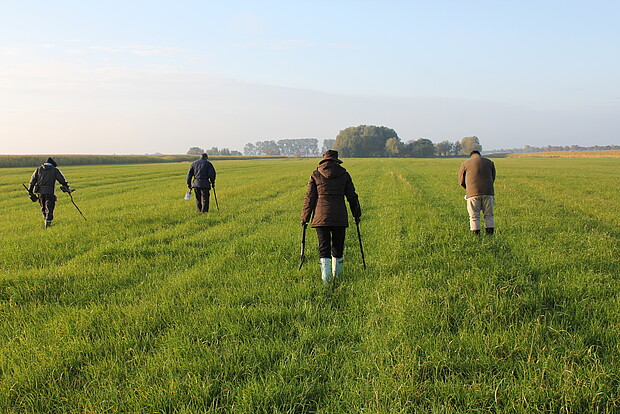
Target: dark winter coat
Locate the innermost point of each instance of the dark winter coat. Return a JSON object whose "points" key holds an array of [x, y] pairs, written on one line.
{"points": [[328, 186], [202, 173], [477, 175], [43, 180]]}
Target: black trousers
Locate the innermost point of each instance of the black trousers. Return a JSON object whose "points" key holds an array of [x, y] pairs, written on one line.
{"points": [[331, 241], [47, 202], [202, 199]]}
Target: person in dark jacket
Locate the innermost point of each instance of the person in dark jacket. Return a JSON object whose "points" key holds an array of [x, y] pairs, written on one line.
{"points": [[324, 203], [477, 176], [43, 182], [201, 177]]}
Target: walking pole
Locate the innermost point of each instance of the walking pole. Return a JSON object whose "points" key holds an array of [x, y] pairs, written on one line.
{"points": [[215, 195], [302, 256], [359, 237]]}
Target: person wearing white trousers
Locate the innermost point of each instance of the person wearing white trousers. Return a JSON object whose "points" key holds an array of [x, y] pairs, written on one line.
{"points": [[477, 177], [481, 204]]}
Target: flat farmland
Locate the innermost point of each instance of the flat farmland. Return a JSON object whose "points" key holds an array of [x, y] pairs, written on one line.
{"points": [[150, 307]]}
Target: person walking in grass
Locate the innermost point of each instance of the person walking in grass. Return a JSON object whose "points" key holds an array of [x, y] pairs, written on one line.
{"points": [[477, 176], [324, 203], [201, 178], [43, 183]]}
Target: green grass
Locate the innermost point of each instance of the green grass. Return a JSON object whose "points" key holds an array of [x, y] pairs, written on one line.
{"points": [[149, 307]]}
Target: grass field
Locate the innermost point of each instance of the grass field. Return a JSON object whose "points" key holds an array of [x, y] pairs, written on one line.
{"points": [[149, 307]]}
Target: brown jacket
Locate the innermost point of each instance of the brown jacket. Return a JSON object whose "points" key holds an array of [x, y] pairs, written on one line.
{"points": [[328, 186], [477, 175]]}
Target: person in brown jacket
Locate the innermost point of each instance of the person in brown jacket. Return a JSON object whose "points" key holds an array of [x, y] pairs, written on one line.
{"points": [[477, 176], [324, 203], [43, 182]]}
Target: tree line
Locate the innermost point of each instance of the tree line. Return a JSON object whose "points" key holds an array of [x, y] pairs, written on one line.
{"points": [[365, 141], [300, 147], [213, 151], [380, 141], [361, 141]]}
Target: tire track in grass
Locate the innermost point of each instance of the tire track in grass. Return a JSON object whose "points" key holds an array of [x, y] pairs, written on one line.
{"points": [[391, 220], [398, 300], [393, 211]]}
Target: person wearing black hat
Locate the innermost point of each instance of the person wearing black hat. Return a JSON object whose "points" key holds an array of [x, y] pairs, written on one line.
{"points": [[43, 182], [201, 178], [324, 203]]}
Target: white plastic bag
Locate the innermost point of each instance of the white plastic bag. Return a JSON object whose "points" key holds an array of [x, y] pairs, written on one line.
{"points": [[188, 195]]}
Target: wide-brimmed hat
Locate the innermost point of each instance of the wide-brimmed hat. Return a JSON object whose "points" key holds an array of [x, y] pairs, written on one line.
{"points": [[331, 155]]}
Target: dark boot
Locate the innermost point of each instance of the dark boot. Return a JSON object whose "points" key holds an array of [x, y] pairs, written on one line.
{"points": [[475, 232], [490, 230]]}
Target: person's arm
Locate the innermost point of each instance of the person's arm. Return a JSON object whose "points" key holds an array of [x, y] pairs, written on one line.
{"points": [[353, 199], [493, 171], [61, 179], [309, 201], [462, 174], [190, 175], [212, 176], [33, 180]]}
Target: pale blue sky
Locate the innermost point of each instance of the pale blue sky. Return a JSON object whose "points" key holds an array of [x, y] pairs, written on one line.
{"points": [[161, 76]]}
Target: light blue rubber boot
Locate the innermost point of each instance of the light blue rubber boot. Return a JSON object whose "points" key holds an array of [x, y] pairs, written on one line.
{"points": [[337, 266], [326, 269]]}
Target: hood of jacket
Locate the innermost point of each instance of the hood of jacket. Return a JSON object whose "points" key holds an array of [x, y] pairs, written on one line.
{"points": [[331, 169], [47, 166]]}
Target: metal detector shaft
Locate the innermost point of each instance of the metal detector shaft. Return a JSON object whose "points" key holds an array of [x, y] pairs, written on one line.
{"points": [[359, 237], [33, 196], [302, 256], [78, 209], [215, 195]]}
